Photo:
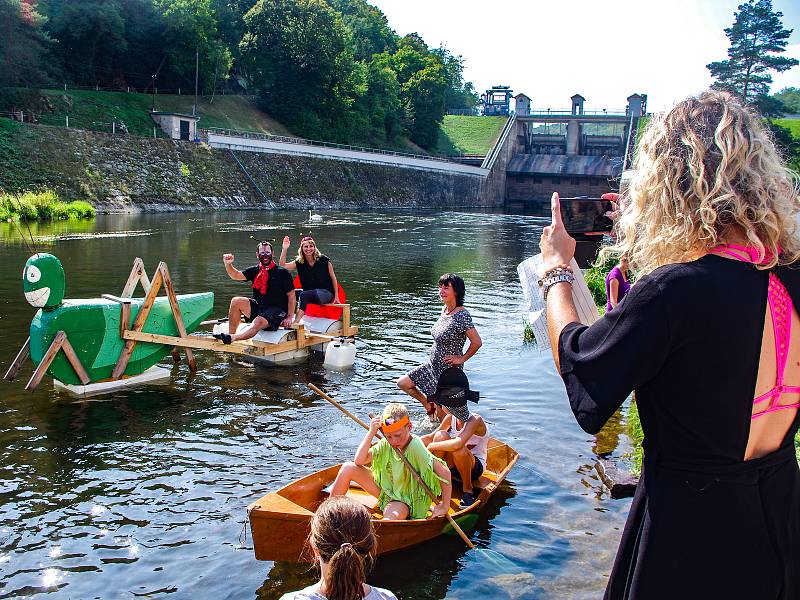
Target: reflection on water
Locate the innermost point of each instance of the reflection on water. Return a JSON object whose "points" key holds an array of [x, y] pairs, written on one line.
{"points": [[144, 491]]}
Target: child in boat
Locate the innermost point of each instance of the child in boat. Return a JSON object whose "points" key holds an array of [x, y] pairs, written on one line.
{"points": [[462, 438], [344, 546], [381, 473]]}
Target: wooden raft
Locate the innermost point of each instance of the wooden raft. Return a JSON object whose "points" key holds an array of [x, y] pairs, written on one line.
{"points": [[135, 334], [132, 334]]}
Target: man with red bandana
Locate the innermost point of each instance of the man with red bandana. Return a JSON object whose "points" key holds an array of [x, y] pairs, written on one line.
{"points": [[273, 301]]}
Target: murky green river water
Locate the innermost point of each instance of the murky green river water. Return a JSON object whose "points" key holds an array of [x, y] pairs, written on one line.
{"points": [[142, 493]]}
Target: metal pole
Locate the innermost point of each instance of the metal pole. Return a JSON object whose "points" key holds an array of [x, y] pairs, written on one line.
{"points": [[67, 118], [113, 127], [196, 75]]}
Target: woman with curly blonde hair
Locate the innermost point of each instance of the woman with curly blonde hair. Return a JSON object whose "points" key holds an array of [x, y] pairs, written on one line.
{"points": [[709, 339]]}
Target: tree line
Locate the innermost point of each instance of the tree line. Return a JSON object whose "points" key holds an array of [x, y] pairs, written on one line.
{"points": [[329, 69], [757, 41]]}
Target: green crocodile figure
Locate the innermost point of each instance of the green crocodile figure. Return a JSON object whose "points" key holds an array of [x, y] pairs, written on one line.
{"points": [[93, 325]]}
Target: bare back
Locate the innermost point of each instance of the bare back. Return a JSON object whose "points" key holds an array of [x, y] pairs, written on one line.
{"points": [[778, 381]]}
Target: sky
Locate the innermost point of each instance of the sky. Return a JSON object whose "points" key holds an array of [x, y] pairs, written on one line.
{"points": [[604, 50]]}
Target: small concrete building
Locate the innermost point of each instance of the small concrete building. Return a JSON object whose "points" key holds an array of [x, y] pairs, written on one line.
{"points": [[177, 126], [637, 105], [577, 104], [522, 105]]}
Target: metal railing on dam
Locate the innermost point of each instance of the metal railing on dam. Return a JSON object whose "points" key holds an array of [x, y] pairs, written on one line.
{"points": [[249, 141]]}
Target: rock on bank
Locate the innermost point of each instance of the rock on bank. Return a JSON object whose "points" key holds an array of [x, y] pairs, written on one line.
{"points": [[126, 173]]}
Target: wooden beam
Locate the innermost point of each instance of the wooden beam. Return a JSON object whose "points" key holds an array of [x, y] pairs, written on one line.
{"points": [[346, 317], [138, 275], [23, 353], [141, 318], [124, 317], [73, 359], [242, 347], [176, 313], [48, 357]]}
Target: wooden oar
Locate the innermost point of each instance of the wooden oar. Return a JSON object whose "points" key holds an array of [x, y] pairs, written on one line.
{"points": [[416, 475]]}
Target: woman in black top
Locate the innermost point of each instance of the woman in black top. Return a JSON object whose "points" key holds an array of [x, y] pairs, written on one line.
{"points": [[710, 224], [315, 271]]}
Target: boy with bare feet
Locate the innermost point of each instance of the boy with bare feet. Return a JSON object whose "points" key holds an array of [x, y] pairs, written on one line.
{"points": [[381, 473]]}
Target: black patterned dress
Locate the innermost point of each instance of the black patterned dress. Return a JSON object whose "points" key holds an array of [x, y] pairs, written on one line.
{"points": [[449, 334]]}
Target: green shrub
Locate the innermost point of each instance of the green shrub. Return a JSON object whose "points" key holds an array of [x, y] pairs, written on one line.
{"points": [[42, 206], [527, 331], [596, 279], [80, 209]]}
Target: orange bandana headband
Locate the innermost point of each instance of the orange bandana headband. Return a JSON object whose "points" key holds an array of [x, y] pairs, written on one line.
{"points": [[390, 425]]}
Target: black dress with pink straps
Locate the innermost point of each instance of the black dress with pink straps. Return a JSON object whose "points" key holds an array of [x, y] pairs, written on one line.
{"points": [[704, 523]]}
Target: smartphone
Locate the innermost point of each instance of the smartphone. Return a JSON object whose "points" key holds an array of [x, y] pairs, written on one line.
{"points": [[586, 215]]}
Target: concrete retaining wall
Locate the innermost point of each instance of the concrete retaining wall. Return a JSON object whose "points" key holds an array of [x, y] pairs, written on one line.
{"points": [[119, 173]]}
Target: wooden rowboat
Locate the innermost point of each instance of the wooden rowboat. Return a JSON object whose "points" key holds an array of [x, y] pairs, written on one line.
{"points": [[280, 521]]}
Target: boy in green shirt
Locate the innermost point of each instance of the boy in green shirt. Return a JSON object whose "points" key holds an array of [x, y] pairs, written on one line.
{"points": [[380, 472]]}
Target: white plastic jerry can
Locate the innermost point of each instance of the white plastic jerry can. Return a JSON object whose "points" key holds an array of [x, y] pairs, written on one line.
{"points": [[340, 354]]}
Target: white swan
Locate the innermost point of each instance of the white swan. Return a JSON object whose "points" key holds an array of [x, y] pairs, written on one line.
{"points": [[314, 218]]}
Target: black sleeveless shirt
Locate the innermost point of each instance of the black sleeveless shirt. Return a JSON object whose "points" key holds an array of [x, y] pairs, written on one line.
{"points": [[316, 277]]}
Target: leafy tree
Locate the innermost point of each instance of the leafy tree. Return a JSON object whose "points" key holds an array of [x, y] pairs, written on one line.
{"points": [[426, 93], [297, 54], [382, 103], [368, 27], [460, 94], [91, 39], [23, 44], [423, 86], [757, 36], [191, 26], [790, 97], [769, 106]]}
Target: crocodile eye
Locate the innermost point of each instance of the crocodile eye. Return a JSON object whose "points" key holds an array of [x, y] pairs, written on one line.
{"points": [[34, 274]]}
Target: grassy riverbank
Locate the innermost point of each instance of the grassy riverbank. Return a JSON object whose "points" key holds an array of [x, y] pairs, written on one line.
{"points": [[95, 110], [42, 206]]}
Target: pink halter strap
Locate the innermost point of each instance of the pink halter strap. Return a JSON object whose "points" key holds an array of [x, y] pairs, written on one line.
{"points": [[780, 308]]}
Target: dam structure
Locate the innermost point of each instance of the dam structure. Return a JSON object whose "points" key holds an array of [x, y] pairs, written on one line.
{"points": [[575, 151]]}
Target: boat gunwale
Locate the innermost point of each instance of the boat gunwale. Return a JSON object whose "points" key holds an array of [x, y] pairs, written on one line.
{"points": [[257, 511]]}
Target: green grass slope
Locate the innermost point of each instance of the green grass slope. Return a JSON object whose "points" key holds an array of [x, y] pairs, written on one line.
{"points": [[469, 135], [792, 125], [95, 110]]}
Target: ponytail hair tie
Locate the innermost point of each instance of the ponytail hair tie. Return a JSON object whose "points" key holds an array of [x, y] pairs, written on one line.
{"points": [[345, 545]]}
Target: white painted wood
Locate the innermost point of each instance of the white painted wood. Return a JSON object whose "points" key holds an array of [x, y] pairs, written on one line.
{"points": [[155, 375]]}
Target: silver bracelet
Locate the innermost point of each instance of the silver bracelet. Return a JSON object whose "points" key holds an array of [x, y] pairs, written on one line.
{"points": [[551, 281]]}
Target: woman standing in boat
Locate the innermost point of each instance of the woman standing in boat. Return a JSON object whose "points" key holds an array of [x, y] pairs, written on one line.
{"points": [[709, 338], [453, 328], [315, 271], [344, 545]]}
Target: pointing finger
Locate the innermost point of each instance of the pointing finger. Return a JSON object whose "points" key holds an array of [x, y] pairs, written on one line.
{"points": [[555, 208]]}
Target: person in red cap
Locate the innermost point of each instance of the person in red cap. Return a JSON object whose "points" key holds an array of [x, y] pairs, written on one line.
{"points": [[462, 438]]}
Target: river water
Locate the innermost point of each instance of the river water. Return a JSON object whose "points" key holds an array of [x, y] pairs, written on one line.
{"points": [[142, 493]]}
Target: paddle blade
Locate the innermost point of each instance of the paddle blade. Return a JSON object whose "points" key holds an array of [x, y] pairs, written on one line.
{"points": [[466, 523]]}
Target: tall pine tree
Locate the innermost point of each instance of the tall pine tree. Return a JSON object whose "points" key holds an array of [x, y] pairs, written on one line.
{"points": [[757, 36]]}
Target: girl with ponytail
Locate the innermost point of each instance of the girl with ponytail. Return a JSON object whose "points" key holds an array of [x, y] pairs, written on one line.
{"points": [[343, 542]]}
